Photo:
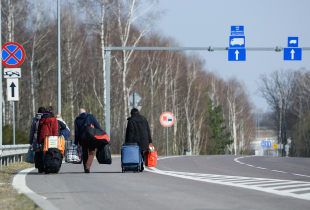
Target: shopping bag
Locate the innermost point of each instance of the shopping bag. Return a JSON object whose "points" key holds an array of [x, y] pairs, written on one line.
{"points": [[151, 158], [30, 155], [74, 154]]}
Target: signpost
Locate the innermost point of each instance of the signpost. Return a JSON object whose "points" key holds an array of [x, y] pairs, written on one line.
{"points": [[167, 119], [13, 55], [134, 98], [292, 53], [237, 51]]}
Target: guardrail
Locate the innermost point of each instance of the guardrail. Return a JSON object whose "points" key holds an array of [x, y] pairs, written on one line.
{"points": [[8, 153]]}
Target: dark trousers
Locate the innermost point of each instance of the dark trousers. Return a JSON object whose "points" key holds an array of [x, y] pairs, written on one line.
{"points": [[88, 154]]}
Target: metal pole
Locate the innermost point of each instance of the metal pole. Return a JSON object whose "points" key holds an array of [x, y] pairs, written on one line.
{"points": [[59, 60], [167, 143], [107, 89], [13, 122], [134, 102], [0, 94]]}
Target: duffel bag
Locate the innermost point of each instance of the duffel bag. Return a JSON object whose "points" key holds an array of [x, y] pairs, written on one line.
{"points": [[74, 154], [95, 137], [30, 155], [52, 161], [104, 155]]}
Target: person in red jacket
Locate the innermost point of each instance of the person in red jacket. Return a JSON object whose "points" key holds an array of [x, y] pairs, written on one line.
{"points": [[48, 125]]}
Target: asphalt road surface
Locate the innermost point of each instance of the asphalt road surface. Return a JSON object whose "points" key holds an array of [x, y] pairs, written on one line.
{"points": [[181, 182]]}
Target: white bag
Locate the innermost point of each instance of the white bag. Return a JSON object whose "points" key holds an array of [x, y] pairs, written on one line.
{"points": [[30, 155], [74, 154]]}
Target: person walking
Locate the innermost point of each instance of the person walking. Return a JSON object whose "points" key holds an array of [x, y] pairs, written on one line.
{"points": [[48, 125], [88, 150], [34, 128], [138, 131], [63, 128]]}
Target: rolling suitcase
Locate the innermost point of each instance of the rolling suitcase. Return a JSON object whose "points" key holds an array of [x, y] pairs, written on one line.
{"points": [[53, 160], [131, 157]]}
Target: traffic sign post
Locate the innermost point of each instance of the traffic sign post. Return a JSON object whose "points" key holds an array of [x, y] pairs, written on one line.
{"points": [[167, 119], [12, 55], [237, 51], [292, 53], [134, 98]]}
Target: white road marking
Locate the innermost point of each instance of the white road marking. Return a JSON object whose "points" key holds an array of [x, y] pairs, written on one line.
{"points": [[258, 184], [19, 183], [237, 161]]}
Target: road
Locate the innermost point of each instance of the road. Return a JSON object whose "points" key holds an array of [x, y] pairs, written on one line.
{"points": [[181, 182]]}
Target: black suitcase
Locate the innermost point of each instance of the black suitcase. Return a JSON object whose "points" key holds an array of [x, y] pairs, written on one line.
{"points": [[52, 161], [104, 155], [38, 160]]}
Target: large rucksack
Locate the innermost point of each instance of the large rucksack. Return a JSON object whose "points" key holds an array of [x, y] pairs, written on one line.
{"points": [[53, 160]]}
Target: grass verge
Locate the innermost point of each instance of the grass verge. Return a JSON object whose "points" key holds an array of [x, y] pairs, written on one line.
{"points": [[9, 198]]}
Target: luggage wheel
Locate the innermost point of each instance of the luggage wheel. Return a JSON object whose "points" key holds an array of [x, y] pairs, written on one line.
{"points": [[138, 167]]}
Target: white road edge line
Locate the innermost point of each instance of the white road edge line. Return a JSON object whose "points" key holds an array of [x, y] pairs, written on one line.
{"points": [[19, 183], [237, 161]]}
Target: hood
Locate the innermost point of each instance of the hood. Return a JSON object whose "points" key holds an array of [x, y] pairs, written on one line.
{"points": [[60, 119], [82, 116], [137, 117], [38, 116]]}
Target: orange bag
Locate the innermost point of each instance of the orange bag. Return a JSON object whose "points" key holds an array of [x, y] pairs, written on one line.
{"points": [[151, 158], [59, 145]]}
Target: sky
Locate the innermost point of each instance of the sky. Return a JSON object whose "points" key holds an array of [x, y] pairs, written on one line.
{"points": [[267, 23]]}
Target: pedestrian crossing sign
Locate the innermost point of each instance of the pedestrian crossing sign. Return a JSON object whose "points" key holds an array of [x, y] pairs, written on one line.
{"points": [[275, 146]]}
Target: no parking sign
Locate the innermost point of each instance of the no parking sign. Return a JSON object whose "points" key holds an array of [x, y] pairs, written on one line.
{"points": [[13, 54]]}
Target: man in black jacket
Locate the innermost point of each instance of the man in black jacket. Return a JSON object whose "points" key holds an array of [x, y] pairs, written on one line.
{"points": [[138, 131], [88, 150]]}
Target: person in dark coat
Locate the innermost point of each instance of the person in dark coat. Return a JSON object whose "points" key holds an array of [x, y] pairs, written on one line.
{"points": [[138, 131], [34, 128], [88, 150]]}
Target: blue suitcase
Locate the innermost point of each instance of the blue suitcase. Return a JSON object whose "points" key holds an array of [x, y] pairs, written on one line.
{"points": [[131, 157]]}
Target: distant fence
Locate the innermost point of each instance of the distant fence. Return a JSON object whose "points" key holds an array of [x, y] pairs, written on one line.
{"points": [[8, 153]]}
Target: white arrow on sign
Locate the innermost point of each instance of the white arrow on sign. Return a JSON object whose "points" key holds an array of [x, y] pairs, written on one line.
{"points": [[292, 54], [237, 53]]}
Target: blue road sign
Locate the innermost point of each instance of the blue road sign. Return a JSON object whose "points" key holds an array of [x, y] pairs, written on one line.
{"points": [[292, 54], [266, 143], [236, 41], [237, 30], [237, 54], [292, 42]]}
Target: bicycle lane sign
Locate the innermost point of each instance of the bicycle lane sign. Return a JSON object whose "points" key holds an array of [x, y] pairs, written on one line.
{"points": [[13, 54]]}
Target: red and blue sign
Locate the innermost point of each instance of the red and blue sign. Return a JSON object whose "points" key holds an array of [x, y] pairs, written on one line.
{"points": [[13, 54]]}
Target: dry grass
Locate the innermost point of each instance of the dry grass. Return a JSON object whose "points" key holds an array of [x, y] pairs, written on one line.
{"points": [[9, 197]]}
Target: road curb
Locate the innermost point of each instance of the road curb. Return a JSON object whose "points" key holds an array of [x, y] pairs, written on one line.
{"points": [[19, 183]]}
